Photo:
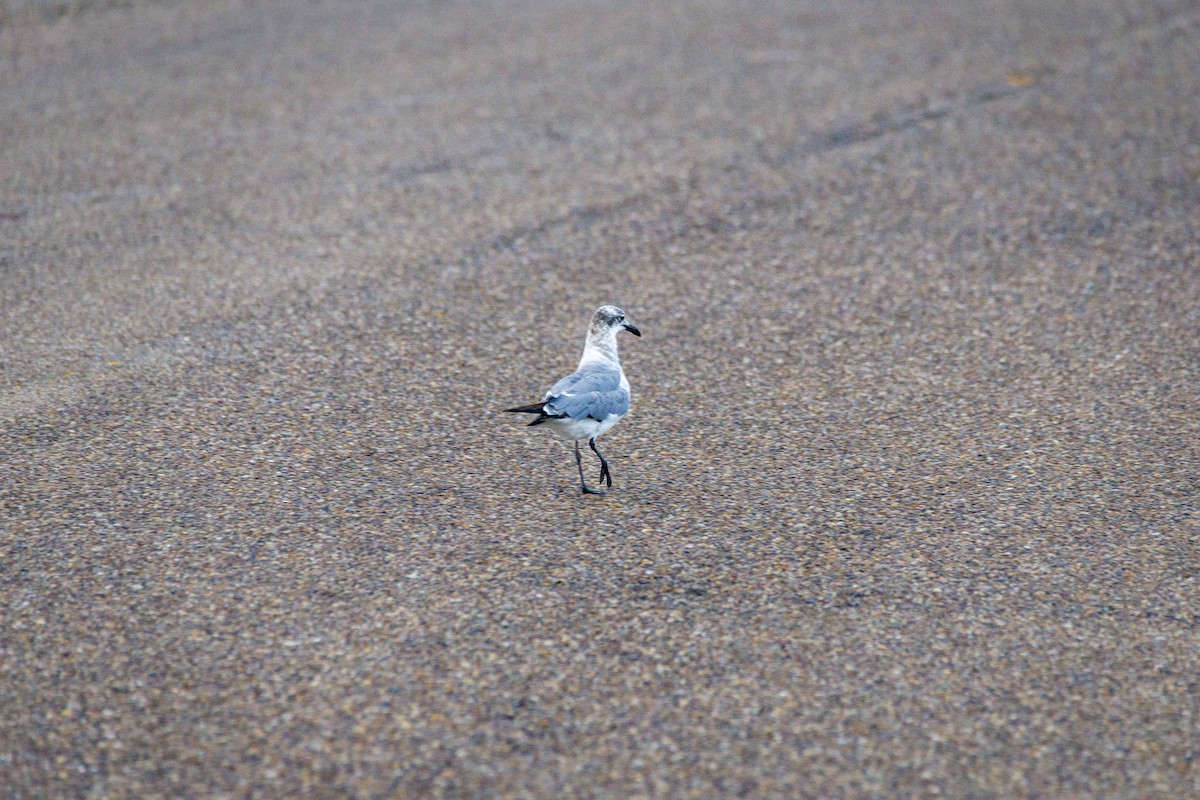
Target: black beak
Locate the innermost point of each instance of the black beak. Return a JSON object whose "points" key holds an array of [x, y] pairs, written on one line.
{"points": [[629, 326]]}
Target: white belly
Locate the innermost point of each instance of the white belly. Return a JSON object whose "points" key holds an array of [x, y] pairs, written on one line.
{"points": [[581, 429]]}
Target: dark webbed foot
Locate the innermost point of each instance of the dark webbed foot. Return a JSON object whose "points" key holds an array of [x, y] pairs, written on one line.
{"points": [[583, 487], [605, 472]]}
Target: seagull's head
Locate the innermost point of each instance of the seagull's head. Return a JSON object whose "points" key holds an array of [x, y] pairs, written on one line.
{"points": [[610, 320]]}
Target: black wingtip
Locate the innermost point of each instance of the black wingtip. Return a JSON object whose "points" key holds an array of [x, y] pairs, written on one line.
{"points": [[535, 408]]}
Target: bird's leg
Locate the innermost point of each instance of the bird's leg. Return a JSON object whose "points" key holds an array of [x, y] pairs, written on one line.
{"points": [[579, 463], [604, 470]]}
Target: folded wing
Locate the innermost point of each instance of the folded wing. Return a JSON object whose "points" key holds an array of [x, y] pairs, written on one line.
{"points": [[594, 391]]}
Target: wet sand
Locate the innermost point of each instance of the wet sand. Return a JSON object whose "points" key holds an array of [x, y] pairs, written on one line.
{"points": [[907, 502]]}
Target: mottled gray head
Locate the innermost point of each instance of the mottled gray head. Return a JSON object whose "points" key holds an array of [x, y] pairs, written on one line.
{"points": [[612, 318]]}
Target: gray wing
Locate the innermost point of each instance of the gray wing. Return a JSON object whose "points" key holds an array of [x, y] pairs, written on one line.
{"points": [[594, 391]]}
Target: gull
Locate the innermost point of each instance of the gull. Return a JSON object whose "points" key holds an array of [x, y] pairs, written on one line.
{"points": [[594, 397]]}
